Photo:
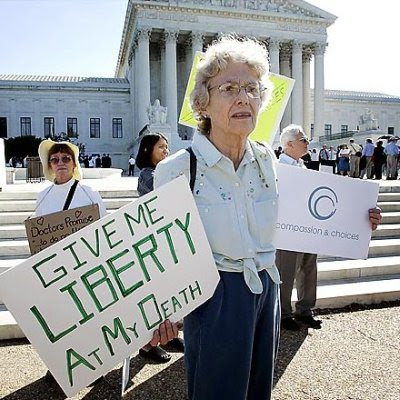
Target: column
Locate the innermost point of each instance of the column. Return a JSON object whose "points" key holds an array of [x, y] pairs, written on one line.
{"points": [[170, 79], [285, 55], [274, 55], [319, 128], [131, 78], [306, 91], [297, 75], [143, 75]]}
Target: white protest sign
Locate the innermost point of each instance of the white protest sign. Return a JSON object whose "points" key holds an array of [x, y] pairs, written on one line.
{"points": [[94, 298], [323, 214]]}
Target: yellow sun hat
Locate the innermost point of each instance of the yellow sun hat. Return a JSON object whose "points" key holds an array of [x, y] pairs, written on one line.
{"points": [[44, 149]]}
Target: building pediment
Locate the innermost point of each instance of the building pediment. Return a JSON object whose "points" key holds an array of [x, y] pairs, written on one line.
{"points": [[292, 8]]}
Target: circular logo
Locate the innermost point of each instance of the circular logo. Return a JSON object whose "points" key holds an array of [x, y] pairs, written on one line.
{"points": [[322, 203]]}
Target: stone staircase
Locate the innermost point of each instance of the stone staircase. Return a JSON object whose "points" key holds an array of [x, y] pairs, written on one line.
{"points": [[340, 282]]}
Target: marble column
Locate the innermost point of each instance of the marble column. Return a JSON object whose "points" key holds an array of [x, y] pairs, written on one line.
{"points": [[306, 91], [285, 56], [319, 127], [143, 75], [131, 78], [297, 75], [170, 37], [274, 55]]}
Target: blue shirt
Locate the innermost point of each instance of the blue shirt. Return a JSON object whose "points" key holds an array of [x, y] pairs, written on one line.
{"points": [[392, 149], [368, 150]]}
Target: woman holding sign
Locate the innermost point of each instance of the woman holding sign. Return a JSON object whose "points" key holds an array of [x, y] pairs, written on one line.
{"points": [[60, 161], [231, 340]]}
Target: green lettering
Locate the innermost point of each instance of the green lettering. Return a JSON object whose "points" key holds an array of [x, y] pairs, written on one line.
{"points": [[175, 303], [165, 309], [109, 234], [50, 335], [79, 263], [77, 301], [141, 305], [185, 227], [129, 218], [114, 334], [45, 260], [95, 252], [117, 271], [79, 360], [92, 286], [151, 252], [94, 352], [133, 329], [169, 241], [183, 292], [151, 211], [195, 289]]}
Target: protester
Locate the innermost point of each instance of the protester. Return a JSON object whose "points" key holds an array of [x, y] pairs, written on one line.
{"points": [[368, 152], [153, 149], [332, 158], [278, 151], [379, 158], [92, 162], [355, 155], [344, 160], [231, 340], [98, 161], [60, 161], [301, 267], [392, 153], [131, 165]]}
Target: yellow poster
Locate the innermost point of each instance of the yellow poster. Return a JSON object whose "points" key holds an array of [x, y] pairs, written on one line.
{"points": [[268, 120]]}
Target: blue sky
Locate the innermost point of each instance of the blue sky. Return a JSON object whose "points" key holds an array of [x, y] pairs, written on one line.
{"points": [[82, 38]]}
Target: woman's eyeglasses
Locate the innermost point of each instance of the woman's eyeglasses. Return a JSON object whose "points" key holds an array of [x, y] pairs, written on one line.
{"points": [[63, 159], [232, 90]]}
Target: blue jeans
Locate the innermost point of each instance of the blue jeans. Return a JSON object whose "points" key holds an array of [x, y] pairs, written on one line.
{"points": [[231, 341]]}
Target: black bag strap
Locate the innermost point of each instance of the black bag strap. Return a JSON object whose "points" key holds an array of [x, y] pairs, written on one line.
{"points": [[70, 195], [192, 167]]}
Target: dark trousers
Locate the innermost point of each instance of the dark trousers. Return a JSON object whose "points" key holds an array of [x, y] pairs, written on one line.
{"points": [[131, 170], [302, 267], [231, 341]]}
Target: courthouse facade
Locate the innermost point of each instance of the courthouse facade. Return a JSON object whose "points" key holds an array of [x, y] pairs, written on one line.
{"points": [[158, 43]]}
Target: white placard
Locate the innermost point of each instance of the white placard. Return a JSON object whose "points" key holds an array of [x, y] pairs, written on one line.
{"points": [[323, 214], [94, 298]]}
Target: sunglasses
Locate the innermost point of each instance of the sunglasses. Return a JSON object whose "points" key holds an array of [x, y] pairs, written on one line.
{"points": [[304, 140], [63, 159]]}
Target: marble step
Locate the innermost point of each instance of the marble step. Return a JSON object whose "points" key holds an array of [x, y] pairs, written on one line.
{"points": [[387, 230], [387, 206], [383, 197], [32, 195], [391, 217], [29, 205], [329, 295]]}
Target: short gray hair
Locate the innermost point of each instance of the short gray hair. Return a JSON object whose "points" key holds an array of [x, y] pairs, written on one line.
{"points": [[289, 134], [228, 49]]}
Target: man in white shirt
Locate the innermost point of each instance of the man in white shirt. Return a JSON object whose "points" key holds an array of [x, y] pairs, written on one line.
{"points": [[131, 165], [291, 264]]}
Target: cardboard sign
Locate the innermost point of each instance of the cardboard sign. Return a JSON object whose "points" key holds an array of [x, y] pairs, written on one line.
{"points": [[323, 214], [268, 120], [44, 231], [95, 297]]}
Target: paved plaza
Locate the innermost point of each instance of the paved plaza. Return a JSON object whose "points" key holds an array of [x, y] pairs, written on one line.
{"points": [[354, 356]]}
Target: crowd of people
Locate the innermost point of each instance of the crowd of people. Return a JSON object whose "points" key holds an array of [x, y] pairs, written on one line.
{"points": [[231, 341], [357, 161], [95, 161]]}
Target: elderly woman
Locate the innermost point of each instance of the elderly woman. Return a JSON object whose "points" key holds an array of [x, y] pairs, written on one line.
{"points": [[231, 340], [60, 162]]}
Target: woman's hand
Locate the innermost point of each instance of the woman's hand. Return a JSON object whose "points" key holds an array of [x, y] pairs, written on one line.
{"points": [[375, 217], [165, 333]]}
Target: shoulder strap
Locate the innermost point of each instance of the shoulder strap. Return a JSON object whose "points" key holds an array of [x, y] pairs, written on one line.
{"points": [[193, 167], [70, 195]]}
